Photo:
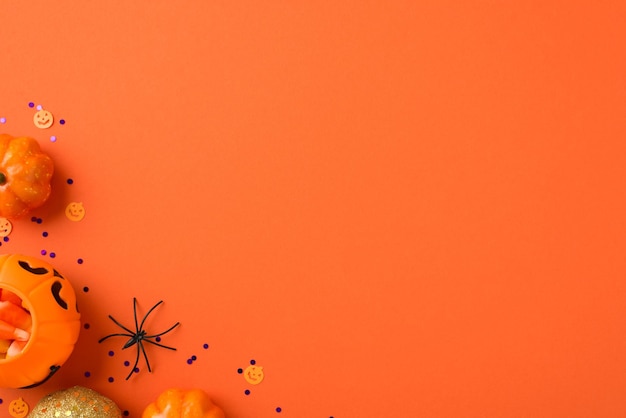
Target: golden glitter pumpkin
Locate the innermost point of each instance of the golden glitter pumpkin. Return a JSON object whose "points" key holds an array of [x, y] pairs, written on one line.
{"points": [[76, 402], [39, 321]]}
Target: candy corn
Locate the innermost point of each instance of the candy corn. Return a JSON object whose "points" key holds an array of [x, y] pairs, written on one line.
{"points": [[9, 332], [16, 348], [15, 315], [6, 295], [15, 324]]}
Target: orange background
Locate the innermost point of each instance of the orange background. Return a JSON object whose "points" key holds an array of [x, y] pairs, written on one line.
{"points": [[397, 208]]}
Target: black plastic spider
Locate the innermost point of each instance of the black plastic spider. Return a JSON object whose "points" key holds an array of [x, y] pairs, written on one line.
{"points": [[139, 336]]}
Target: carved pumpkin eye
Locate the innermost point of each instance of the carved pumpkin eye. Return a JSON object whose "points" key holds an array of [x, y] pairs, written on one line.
{"points": [[56, 293], [34, 270]]}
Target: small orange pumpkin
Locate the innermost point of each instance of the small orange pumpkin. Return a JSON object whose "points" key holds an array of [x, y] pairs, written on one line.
{"points": [[180, 403], [25, 173]]}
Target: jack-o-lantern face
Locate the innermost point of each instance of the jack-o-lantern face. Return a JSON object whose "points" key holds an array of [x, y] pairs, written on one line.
{"points": [[75, 211], [43, 119], [254, 375], [18, 408], [5, 227], [49, 299]]}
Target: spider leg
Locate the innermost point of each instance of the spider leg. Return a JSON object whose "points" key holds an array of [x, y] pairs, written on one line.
{"points": [[145, 356], [120, 325], [132, 370], [135, 314], [115, 335], [159, 345], [164, 332], [148, 314], [133, 340]]}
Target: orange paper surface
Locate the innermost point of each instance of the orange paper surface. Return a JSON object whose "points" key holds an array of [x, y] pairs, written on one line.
{"points": [[396, 208]]}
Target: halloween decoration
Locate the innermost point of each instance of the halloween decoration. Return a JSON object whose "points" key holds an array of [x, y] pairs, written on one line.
{"points": [[39, 321], [18, 408], [76, 402], [43, 119], [179, 403], [254, 375], [25, 173], [139, 335]]}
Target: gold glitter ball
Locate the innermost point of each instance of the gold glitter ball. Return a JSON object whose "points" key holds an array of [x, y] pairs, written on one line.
{"points": [[76, 402]]}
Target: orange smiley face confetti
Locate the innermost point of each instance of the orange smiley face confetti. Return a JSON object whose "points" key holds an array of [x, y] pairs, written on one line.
{"points": [[5, 227], [18, 408], [75, 211], [254, 375], [43, 119]]}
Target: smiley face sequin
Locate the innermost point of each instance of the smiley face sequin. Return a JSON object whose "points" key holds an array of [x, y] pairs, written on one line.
{"points": [[18, 408], [75, 211], [43, 119], [5, 227], [253, 375]]}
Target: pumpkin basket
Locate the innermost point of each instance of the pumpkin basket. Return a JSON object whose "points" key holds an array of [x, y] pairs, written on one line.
{"points": [[39, 321]]}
